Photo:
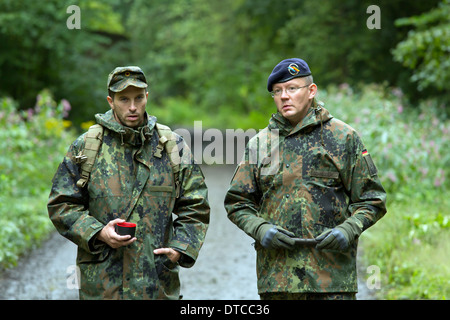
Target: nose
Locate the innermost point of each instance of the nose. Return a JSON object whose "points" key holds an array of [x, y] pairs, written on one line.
{"points": [[284, 94], [133, 106]]}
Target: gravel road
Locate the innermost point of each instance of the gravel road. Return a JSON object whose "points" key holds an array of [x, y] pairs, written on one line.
{"points": [[224, 270]]}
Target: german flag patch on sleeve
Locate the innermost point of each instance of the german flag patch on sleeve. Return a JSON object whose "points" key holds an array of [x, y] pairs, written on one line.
{"points": [[370, 165]]}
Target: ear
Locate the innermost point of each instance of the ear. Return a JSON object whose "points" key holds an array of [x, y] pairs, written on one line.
{"points": [[110, 101], [312, 91]]}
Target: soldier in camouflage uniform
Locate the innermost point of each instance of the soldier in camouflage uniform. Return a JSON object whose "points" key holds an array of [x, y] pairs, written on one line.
{"points": [[128, 182], [306, 175]]}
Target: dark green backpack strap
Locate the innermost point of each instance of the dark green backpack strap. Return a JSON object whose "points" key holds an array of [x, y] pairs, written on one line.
{"points": [[86, 157]]}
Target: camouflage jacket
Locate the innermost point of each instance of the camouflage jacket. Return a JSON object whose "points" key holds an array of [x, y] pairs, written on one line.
{"points": [[309, 179], [129, 182]]}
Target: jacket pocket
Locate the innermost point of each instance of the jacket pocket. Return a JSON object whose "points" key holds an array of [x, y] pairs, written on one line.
{"points": [[167, 263], [169, 282], [325, 178], [292, 171]]}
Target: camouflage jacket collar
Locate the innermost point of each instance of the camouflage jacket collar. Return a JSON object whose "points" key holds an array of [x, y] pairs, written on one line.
{"points": [[128, 135], [316, 115]]}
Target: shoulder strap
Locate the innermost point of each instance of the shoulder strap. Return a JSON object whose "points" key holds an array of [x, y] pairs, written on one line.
{"points": [[93, 141], [86, 157], [168, 141]]}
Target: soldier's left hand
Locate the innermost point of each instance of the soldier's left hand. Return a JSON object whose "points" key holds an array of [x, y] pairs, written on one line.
{"points": [[172, 254], [332, 239], [340, 237]]}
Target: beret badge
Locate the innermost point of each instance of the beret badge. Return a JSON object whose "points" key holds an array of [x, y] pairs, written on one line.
{"points": [[293, 69]]}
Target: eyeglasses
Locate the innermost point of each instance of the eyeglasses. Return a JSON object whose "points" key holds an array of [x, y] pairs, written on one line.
{"points": [[290, 90]]}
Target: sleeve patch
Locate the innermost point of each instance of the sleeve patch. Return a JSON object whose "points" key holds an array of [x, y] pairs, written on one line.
{"points": [[370, 165]]}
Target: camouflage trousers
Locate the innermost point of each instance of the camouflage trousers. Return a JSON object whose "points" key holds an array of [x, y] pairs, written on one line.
{"points": [[308, 296]]}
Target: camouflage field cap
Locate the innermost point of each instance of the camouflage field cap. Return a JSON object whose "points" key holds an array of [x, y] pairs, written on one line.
{"points": [[122, 77]]}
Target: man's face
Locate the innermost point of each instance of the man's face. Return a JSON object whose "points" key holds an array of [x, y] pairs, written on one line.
{"points": [[294, 106], [129, 106]]}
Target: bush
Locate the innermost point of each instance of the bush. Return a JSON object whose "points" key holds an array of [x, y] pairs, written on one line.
{"points": [[34, 141]]}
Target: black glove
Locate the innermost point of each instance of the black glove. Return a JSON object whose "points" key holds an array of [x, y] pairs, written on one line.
{"points": [[340, 237], [273, 237]]}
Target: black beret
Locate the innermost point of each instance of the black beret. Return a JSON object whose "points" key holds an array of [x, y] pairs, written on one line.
{"points": [[287, 70]]}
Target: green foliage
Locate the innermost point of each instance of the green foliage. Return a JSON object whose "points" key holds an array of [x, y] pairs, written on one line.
{"points": [[210, 53], [220, 53], [39, 51], [35, 141], [409, 144], [410, 245], [426, 49]]}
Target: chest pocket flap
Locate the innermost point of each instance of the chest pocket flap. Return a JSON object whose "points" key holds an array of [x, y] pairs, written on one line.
{"points": [[324, 174]]}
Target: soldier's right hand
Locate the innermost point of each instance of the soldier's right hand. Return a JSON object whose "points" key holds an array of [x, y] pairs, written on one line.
{"points": [[274, 237], [109, 236]]}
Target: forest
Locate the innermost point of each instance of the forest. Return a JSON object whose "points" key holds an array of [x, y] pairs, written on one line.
{"points": [[385, 70]]}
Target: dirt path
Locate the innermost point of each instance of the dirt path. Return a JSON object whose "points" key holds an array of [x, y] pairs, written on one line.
{"points": [[225, 268], [42, 273]]}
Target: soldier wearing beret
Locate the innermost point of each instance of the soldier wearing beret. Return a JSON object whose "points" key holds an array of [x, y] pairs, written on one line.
{"points": [[308, 197], [132, 179]]}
